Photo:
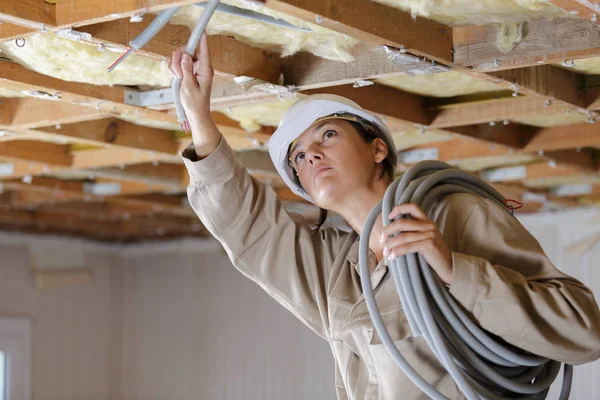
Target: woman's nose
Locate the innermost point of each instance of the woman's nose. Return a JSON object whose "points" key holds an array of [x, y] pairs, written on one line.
{"points": [[312, 156]]}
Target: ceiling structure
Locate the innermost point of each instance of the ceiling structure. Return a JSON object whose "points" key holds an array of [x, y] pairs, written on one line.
{"points": [[88, 152]]}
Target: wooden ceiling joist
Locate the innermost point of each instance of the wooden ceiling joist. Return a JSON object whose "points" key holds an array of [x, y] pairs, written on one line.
{"points": [[116, 132], [26, 113], [564, 137], [543, 41]]}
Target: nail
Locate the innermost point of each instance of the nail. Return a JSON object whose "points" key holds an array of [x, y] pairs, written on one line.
{"points": [[186, 58], [385, 251]]}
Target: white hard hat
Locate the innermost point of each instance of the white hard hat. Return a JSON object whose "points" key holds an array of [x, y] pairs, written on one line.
{"points": [[302, 115]]}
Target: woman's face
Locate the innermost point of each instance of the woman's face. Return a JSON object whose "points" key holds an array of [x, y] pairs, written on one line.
{"points": [[332, 160]]}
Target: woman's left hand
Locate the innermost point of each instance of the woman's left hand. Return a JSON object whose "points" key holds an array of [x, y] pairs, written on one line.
{"points": [[417, 235]]}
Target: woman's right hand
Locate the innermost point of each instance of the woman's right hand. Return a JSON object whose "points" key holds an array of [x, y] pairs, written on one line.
{"points": [[196, 76]]}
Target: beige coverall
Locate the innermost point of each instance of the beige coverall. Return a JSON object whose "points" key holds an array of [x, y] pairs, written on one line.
{"points": [[501, 276]]}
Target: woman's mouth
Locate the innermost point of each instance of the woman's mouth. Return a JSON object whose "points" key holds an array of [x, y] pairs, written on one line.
{"points": [[321, 171]]}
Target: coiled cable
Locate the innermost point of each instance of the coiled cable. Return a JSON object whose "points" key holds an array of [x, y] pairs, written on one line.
{"points": [[482, 366]]}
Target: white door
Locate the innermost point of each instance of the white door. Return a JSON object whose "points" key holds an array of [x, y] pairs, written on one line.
{"points": [[15, 358]]}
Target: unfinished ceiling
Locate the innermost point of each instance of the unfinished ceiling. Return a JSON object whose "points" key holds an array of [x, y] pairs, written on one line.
{"points": [[505, 89]]}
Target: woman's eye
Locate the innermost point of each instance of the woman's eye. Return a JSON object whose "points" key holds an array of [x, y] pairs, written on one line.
{"points": [[329, 134], [299, 158]]}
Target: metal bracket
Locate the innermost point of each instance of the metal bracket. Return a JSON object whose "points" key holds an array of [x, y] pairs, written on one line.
{"points": [[149, 98]]}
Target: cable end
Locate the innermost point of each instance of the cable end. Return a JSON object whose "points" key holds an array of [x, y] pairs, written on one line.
{"points": [[120, 59]]}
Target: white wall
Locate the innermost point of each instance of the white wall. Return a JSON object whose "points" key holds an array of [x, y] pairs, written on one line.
{"points": [[557, 232], [76, 330], [197, 329]]}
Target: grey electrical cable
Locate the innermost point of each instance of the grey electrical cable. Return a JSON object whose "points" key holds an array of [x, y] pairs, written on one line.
{"points": [[190, 48], [147, 34], [481, 366]]}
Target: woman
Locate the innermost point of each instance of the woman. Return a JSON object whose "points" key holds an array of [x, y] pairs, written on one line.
{"points": [[341, 158]]}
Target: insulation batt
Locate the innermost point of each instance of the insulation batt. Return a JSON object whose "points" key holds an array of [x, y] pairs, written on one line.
{"points": [[75, 61], [253, 116], [479, 12], [444, 84], [320, 41]]}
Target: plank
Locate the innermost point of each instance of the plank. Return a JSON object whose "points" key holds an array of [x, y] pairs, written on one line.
{"points": [[34, 14], [374, 23], [38, 152], [544, 41], [547, 80], [116, 132], [10, 31], [564, 137], [28, 113], [494, 110], [583, 9], [382, 100]]}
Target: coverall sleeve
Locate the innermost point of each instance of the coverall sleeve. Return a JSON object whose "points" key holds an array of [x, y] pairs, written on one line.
{"points": [[503, 277], [287, 259]]}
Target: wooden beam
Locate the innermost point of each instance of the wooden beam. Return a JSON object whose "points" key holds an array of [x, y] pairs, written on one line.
{"points": [[37, 152], [116, 132], [374, 23], [547, 80], [583, 9], [229, 56], [511, 135], [86, 12], [494, 110], [461, 148], [544, 41], [10, 31], [564, 137], [28, 113], [32, 13], [382, 100], [583, 160]]}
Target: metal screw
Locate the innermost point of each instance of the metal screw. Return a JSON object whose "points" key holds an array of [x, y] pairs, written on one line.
{"points": [[505, 122], [496, 62], [548, 103], [492, 123], [540, 152], [319, 19], [594, 18]]}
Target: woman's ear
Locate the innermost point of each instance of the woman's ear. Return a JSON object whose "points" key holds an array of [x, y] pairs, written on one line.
{"points": [[380, 150]]}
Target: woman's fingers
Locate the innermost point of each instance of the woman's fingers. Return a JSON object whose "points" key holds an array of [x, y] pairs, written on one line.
{"points": [[410, 208], [188, 73], [403, 239], [175, 65], [205, 68], [406, 225]]}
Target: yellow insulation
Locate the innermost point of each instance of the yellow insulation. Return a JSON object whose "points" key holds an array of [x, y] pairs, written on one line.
{"points": [[407, 139], [553, 120], [253, 116], [479, 12], [320, 41], [445, 84], [71, 60], [11, 93], [134, 119]]}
